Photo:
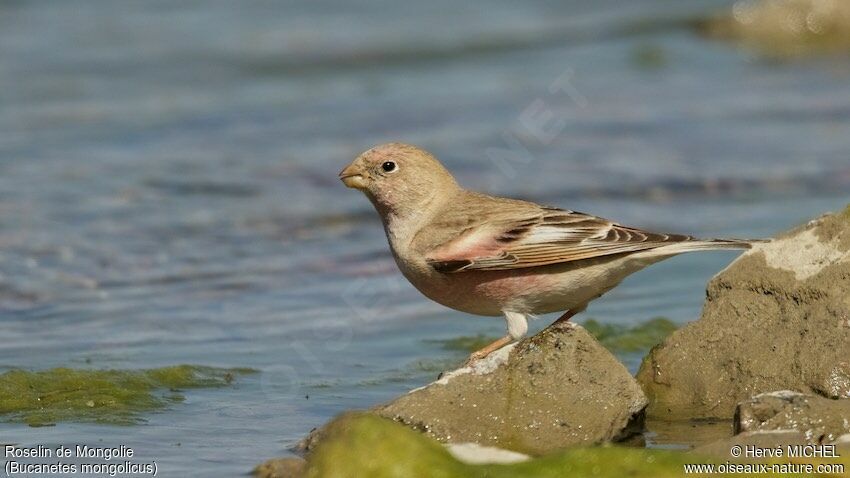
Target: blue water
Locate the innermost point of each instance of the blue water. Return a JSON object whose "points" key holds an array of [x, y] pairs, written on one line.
{"points": [[168, 188]]}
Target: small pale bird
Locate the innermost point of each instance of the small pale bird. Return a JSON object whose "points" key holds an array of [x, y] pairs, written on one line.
{"points": [[495, 256]]}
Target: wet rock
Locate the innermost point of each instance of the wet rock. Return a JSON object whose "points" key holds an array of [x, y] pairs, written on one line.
{"points": [[280, 468], [818, 419], [364, 445], [556, 389], [776, 318], [722, 449], [309, 442], [758, 446], [785, 28]]}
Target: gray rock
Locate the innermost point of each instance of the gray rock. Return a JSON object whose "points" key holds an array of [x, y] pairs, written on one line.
{"points": [[776, 318], [819, 419], [556, 389], [722, 449], [758, 442]]}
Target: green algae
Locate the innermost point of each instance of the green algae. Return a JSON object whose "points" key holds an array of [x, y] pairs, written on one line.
{"points": [[116, 397], [622, 338], [365, 445], [615, 337], [466, 343], [359, 444]]}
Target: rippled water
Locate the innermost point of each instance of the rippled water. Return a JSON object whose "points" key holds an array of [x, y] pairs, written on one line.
{"points": [[168, 188]]}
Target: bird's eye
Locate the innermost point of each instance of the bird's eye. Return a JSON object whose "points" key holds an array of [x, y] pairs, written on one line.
{"points": [[388, 166]]}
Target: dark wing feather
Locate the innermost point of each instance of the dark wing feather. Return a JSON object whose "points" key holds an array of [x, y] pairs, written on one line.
{"points": [[549, 236]]}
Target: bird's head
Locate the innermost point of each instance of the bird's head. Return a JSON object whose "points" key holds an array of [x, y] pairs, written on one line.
{"points": [[398, 178]]}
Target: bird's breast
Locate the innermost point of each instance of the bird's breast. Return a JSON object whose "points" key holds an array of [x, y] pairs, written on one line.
{"points": [[533, 290]]}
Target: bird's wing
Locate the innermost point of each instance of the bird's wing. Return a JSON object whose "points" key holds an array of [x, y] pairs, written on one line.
{"points": [[538, 237]]}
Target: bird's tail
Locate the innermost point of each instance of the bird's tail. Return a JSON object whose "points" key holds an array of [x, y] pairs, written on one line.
{"points": [[711, 244]]}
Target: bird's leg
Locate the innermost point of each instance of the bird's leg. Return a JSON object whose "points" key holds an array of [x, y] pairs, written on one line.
{"points": [[487, 350], [517, 325], [564, 318], [569, 314]]}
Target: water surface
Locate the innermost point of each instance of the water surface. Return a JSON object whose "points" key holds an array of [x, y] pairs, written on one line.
{"points": [[168, 188]]}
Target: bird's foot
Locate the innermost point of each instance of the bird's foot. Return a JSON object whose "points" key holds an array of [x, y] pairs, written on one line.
{"points": [[485, 351], [474, 357]]}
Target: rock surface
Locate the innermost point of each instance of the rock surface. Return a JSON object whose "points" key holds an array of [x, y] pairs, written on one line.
{"points": [[776, 318], [721, 449], [789, 441], [556, 389], [819, 419], [364, 445]]}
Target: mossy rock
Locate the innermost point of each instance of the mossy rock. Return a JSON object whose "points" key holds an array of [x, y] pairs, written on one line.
{"points": [[558, 388], [366, 445], [362, 444], [778, 318]]}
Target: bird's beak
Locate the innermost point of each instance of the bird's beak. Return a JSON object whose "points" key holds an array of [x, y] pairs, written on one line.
{"points": [[352, 178]]}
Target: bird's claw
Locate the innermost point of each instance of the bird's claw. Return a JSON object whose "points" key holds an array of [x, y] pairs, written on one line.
{"points": [[473, 358]]}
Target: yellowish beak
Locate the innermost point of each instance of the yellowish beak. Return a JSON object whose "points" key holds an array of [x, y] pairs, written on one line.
{"points": [[352, 178]]}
